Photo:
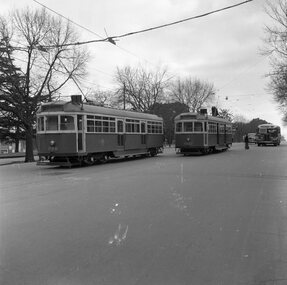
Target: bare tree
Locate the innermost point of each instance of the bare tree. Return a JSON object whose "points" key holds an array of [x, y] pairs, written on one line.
{"points": [[36, 41], [101, 97], [140, 89], [192, 92], [276, 48], [226, 114]]}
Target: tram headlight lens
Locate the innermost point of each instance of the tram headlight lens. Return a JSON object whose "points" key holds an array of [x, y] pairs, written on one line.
{"points": [[52, 143]]}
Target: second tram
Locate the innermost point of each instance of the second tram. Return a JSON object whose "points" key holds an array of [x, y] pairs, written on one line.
{"points": [[199, 132]]}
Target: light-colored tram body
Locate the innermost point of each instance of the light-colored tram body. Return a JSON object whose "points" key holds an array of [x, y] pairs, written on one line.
{"points": [[201, 133], [70, 133]]}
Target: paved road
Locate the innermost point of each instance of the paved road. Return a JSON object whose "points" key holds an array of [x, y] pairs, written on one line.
{"points": [[216, 219]]}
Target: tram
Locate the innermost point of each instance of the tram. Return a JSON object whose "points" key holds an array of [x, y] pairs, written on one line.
{"points": [[76, 133], [268, 134], [199, 132]]}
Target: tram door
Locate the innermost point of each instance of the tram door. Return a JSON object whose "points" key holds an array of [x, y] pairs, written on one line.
{"points": [[80, 133], [205, 134], [217, 135], [143, 133], [120, 131]]}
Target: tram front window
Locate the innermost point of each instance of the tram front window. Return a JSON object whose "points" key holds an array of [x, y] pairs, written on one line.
{"points": [[67, 123], [188, 126], [52, 123], [40, 124], [198, 127], [179, 127]]}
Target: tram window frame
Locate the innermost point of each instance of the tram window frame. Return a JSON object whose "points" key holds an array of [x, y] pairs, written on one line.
{"points": [[197, 127], [51, 126], [90, 126], [228, 129], [185, 127], [120, 126], [101, 124], [105, 126], [98, 126], [132, 126], [154, 127], [41, 124], [178, 127], [67, 125], [221, 128], [143, 127], [212, 128]]}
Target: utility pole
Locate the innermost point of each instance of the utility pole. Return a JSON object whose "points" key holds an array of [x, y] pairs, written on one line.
{"points": [[124, 91]]}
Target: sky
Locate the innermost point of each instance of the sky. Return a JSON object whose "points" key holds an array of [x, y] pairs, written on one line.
{"points": [[223, 48]]}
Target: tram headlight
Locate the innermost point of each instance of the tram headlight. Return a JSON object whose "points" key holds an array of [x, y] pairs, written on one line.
{"points": [[52, 143], [188, 139]]}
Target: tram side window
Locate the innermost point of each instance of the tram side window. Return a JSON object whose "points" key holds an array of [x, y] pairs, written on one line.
{"points": [[52, 123], [67, 123], [40, 124], [228, 129], [120, 127], [179, 127], [160, 128], [154, 127], [221, 129], [98, 124], [212, 128], [109, 125], [132, 126], [105, 126], [142, 127], [188, 127], [198, 127], [112, 125], [90, 126]]}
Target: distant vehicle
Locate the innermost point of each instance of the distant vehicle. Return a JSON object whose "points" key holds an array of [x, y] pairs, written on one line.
{"points": [[251, 137], [268, 134], [199, 132], [76, 133]]}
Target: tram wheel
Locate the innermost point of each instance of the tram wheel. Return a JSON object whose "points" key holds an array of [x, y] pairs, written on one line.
{"points": [[152, 152], [204, 151], [104, 158]]}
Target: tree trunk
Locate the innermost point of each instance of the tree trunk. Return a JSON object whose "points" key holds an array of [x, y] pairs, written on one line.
{"points": [[29, 157], [17, 145]]}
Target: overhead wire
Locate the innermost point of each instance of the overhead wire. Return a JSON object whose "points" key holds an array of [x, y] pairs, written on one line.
{"points": [[89, 30], [112, 39], [68, 19]]}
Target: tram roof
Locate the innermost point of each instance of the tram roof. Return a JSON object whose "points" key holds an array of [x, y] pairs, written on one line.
{"points": [[197, 116], [63, 106]]}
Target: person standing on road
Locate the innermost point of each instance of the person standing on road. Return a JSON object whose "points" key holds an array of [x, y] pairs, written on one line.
{"points": [[246, 140]]}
